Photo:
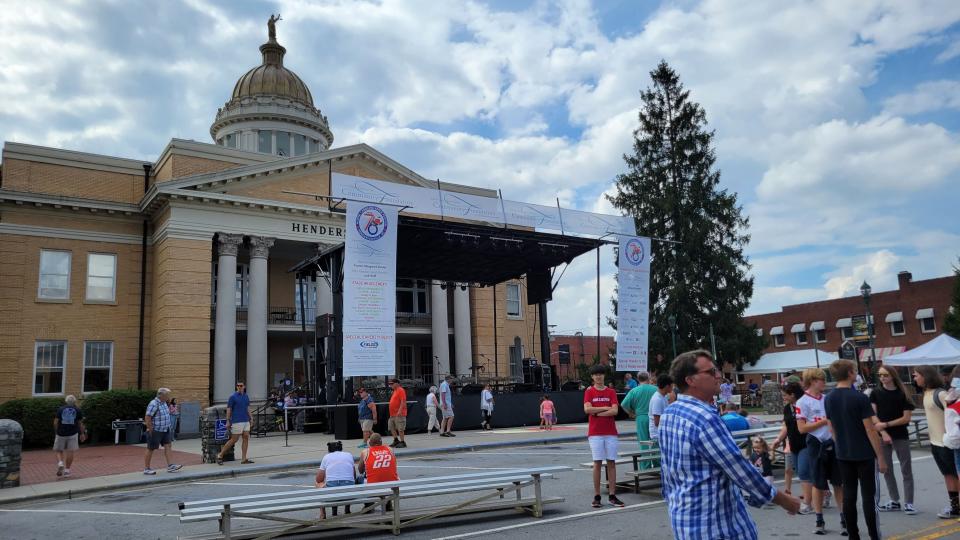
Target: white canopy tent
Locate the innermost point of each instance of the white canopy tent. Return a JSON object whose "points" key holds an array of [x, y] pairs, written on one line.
{"points": [[940, 350], [783, 362]]}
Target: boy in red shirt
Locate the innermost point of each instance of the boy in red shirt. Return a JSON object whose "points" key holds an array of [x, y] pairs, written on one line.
{"points": [[600, 404]]}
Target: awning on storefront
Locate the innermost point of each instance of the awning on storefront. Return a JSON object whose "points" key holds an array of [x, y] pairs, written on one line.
{"points": [[882, 352], [844, 323], [799, 327], [896, 316], [817, 325], [776, 331], [925, 313]]}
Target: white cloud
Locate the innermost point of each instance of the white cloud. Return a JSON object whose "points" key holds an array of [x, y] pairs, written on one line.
{"points": [[926, 97]]}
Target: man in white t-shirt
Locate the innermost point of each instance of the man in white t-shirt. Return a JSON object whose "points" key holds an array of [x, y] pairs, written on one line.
{"points": [[821, 456], [658, 403], [336, 469]]}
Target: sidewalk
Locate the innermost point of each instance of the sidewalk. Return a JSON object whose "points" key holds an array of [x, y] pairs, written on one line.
{"points": [[103, 468]]}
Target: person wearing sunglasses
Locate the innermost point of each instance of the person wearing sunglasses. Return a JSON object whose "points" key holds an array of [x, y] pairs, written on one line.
{"points": [[238, 422], [702, 468]]}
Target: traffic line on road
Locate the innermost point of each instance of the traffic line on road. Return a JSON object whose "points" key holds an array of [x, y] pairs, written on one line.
{"points": [[552, 520], [141, 514], [930, 533]]}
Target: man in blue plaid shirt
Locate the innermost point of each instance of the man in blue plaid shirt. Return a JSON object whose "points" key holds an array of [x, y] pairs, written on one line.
{"points": [[702, 468], [159, 432]]}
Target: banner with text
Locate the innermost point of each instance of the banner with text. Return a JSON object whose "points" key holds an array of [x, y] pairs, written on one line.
{"points": [[369, 290], [435, 202], [633, 303]]}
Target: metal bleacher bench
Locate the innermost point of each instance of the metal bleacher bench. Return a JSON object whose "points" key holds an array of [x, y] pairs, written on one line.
{"points": [[382, 503], [644, 478]]}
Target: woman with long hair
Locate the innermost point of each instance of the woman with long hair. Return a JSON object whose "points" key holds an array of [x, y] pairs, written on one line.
{"points": [[934, 403], [894, 408]]}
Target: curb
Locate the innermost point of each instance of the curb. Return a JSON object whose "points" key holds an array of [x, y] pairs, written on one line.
{"points": [[281, 467]]}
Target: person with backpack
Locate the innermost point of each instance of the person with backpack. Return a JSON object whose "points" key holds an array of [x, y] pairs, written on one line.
{"points": [[928, 379]]}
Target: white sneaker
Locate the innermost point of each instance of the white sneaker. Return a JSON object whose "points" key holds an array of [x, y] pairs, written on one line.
{"points": [[66, 472], [173, 467], [909, 509], [805, 509], [826, 499], [60, 468], [149, 472]]}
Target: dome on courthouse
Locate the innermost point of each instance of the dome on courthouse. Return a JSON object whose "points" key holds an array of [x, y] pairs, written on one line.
{"points": [[271, 109]]}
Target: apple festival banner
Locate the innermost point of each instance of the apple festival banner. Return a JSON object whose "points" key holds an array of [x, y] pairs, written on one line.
{"points": [[369, 290], [633, 307]]}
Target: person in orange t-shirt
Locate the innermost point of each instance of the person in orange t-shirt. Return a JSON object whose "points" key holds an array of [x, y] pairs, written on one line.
{"points": [[378, 462], [397, 423]]}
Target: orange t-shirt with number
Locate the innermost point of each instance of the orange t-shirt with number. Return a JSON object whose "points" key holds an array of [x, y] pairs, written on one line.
{"points": [[380, 465]]}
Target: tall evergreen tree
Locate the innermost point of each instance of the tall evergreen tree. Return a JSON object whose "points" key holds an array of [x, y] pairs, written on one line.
{"points": [[951, 323], [672, 189]]}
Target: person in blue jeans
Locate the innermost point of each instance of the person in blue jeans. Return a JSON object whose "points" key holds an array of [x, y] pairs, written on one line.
{"points": [[336, 469]]}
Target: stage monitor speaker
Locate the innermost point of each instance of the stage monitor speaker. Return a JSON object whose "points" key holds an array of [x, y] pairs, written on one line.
{"points": [[539, 288], [570, 386]]}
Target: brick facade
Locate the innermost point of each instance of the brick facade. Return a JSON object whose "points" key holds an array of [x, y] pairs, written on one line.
{"points": [[582, 349], [909, 297]]}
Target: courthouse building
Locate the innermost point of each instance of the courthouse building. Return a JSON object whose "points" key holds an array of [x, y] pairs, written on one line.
{"points": [[112, 269]]}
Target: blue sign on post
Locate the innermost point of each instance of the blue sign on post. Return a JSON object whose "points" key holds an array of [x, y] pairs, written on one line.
{"points": [[220, 430]]}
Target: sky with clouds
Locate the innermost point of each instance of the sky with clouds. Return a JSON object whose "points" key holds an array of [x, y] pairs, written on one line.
{"points": [[837, 121]]}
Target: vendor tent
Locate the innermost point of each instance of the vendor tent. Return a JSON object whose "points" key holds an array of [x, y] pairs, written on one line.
{"points": [[782, 362], [940, 350]]}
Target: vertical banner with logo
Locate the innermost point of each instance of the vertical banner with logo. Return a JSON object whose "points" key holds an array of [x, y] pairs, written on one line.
{"points": [[369, 290], [633, 303]]}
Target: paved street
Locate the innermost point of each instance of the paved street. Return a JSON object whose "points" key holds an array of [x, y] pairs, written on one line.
{"points": [[151, 512]]}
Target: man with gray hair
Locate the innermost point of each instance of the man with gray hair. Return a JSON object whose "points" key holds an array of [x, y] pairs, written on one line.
{"points": [[68, 424], [159, 433]]}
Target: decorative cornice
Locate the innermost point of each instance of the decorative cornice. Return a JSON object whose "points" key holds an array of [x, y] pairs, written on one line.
{"points": [[260, 247], [229, 244], [72, 203], [69, 234]]}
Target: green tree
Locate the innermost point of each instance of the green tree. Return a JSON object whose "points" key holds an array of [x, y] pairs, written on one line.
{"points": [[951, 323], [672, 189]]}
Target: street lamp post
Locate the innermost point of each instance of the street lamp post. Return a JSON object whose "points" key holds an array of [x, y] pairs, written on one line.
{"points": [[865, 291], [672, 322]]}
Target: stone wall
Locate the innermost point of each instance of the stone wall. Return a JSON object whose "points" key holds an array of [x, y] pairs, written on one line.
{"points": [[770, 398], [11, 444]]}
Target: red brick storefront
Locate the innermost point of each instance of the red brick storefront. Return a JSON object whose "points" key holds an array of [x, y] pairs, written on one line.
{"points": [[582, 349], [912, 298]]}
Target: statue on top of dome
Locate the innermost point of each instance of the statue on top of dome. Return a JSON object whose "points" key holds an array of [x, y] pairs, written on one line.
{"points": [[272, 26]]}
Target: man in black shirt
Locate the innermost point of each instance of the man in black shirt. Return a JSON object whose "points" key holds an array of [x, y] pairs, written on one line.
{"points": [[852, 420], [68, 424]]}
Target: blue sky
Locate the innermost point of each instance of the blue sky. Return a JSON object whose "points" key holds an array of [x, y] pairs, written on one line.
{"points": [[837, 121]]}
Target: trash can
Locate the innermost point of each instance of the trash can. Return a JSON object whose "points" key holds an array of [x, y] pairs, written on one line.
{"points": [[134, 433]]}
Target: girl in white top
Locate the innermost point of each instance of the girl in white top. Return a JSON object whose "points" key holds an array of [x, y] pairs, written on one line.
{"points": [[432, 410]]}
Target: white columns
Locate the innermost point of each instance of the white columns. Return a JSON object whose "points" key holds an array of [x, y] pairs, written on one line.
{"points": [[439, 331], [461, 330], [225, 341], [257, 319]]}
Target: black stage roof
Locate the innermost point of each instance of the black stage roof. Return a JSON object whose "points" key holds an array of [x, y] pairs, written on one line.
{"points": [[472, 253]]}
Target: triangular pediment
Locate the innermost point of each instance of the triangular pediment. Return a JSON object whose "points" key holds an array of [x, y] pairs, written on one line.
{"points": [[298, 180]]}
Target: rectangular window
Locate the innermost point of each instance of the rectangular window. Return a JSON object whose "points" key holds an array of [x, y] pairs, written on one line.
{"points": [[97, 364], [846, 332], [897, 328], [928, 325], [299, 145], [48, 367], [778, 340], [820, 336], [54, 275], [101, 277], [426, 363], [411, 296], [405, 364], [513, 300], [563, 356], [283, 143], [801, 338], [516, 362], [265, 141], [231, 140]]}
